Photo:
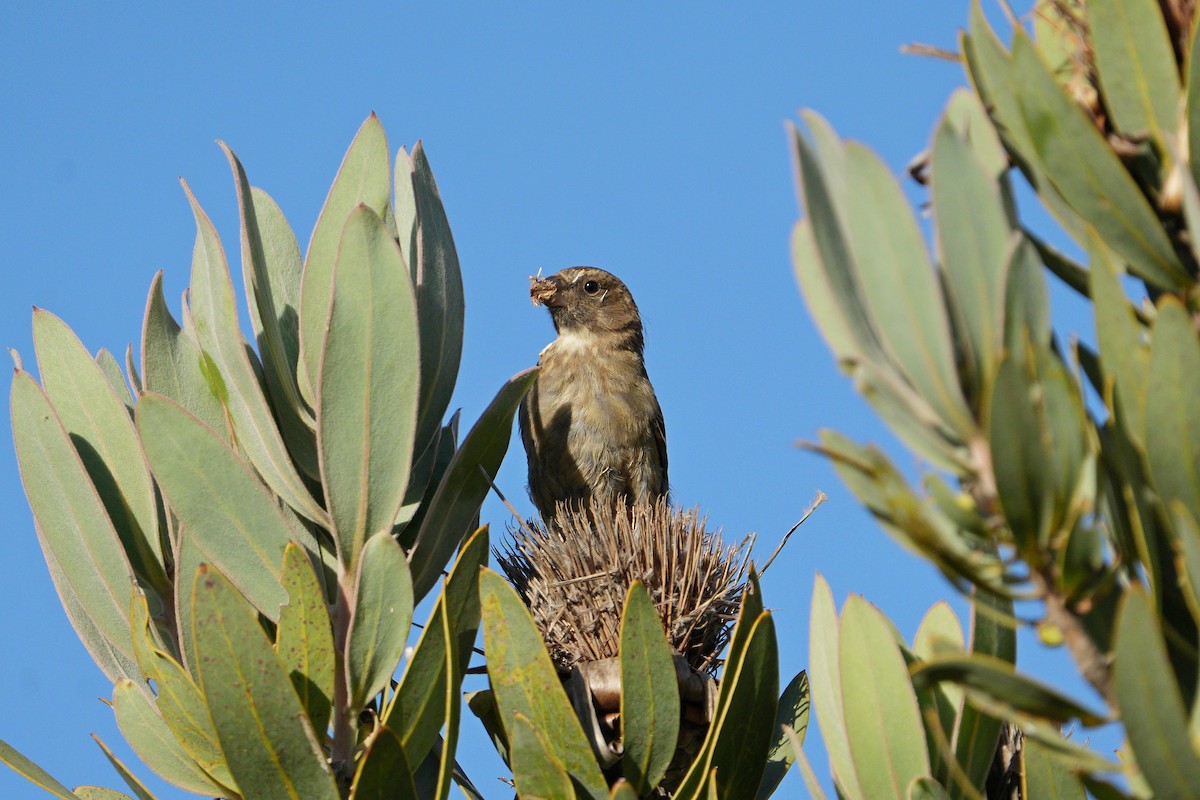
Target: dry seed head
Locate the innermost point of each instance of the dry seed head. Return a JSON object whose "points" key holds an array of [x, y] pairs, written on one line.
{"points": [[574, 574]]}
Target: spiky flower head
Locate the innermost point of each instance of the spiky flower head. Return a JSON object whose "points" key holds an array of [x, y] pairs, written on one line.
{"points": [[574, 574]]}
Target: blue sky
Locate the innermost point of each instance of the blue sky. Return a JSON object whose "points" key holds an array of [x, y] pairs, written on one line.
{"points": [[645, 140]]}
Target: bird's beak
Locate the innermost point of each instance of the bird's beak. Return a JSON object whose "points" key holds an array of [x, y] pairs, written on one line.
{"points": [[544, 291]]}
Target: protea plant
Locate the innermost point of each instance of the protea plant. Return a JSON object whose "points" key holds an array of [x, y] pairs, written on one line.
{"points": [[240, 529], [1057, 474]]}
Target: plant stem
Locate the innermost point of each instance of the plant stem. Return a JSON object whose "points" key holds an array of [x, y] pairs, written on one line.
{"points": [[1093, 664], [342, 755]]}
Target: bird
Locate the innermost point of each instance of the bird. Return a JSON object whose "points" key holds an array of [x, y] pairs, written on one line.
{"points": [[591, 423]]}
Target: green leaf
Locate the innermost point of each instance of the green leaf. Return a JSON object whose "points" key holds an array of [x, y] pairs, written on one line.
{"points": [[1047, 778], [87, 562], [995, 678], [1037, 429], [439, 290], [418, 709], [739, 737], [828, 268], [824, 647], [362, 179], [450, 772], [1135, 64], [151, 738], [100, 793], [525, 682], [116, 379], [214, 308], [483, 706], [1186, 544], [649, 693], [32, 772], [304, 639], [98, 424], [369, 385], [224, 509], [1151, 705], [746, 729], [188, 559], [806, 771], [456, 502], [383, 771], [969, 119], [929, 789], [131, 780], [1125, 357], [537, 771], [977, 733], [974, 238], [271, 275], [1088, 174], [172, 363], [1173, 440], [1026, 306], [270, 745], [907, 414], [791, 722], [180, 701], [135, 380], [910, 520], [623, 790], [380, 619], [1191, 113], [900, 286], [883, 721]]}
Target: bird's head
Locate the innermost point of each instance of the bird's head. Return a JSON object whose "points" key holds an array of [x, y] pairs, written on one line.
{"points": [[587, 300]]}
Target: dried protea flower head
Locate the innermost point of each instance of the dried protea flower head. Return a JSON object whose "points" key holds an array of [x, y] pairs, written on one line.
{"points": [[574, 573]]}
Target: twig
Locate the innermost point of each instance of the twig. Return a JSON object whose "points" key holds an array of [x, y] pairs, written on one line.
{"points": [[820, 498]]}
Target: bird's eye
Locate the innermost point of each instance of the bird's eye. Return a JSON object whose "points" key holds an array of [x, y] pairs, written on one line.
{"points": [[591, 287]]}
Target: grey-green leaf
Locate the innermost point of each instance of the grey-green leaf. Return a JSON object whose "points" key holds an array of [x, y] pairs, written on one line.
{"points": [[997, 678], [173, 366], [439, 292], [369, 385], [1151, 706], [974, 237], [1135, 64], [380, 619], [304, 639], [81, 546], [1172, 432], [32, 772], [98, 423], [271, 747], [271, 275], [214, 309], [362, 179], [152, 740], [219, 500], [883, 721], [1088, 174]]}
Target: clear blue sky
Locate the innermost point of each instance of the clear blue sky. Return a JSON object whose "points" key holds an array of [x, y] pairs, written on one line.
{"points": [[645, 140]]}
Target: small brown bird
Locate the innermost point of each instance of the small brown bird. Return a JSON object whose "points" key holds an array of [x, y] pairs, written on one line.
{"points": [[591, 423]]}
